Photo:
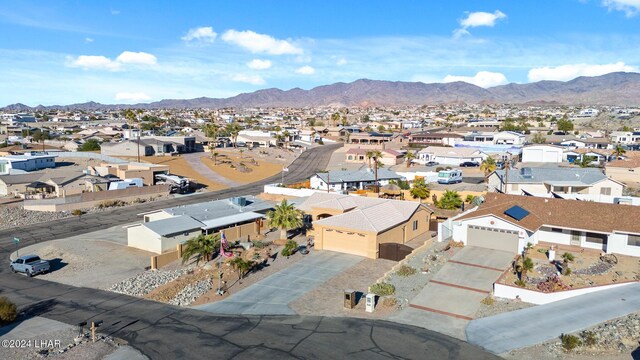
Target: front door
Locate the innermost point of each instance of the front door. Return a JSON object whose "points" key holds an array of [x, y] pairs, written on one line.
{"points": [[575, 238]]}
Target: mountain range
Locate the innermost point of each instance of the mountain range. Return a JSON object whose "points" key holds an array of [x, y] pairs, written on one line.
{"points": [[617, 88]]}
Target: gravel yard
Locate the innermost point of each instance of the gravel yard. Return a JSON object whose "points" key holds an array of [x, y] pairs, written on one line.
{"points": [[615, 339], [327, 300], [145, 282], [497, 306]]}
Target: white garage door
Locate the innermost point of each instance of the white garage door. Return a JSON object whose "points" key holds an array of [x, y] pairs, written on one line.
{"points": [[492, 238], [533, 155]]}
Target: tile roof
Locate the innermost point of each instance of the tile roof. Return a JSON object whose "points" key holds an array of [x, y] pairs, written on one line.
{"points": [[572, 214], [585, 176]]}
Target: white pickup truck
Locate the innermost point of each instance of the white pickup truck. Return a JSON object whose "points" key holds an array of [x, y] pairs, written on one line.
{"points": [[30, 265]]}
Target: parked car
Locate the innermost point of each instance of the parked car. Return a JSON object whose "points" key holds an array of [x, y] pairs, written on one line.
{"points": [[30, 265], [500, 165], [469, 164], [432, 163]]}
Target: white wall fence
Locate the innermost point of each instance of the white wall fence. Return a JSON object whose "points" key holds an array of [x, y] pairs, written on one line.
{"points": [[540, 298], [275, 189]]}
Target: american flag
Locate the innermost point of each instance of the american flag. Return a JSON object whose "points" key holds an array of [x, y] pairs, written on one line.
{"points": [[223, 244]]}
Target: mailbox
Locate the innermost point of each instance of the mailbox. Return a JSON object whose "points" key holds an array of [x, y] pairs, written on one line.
{"points": [[371, 302], [349, 299]]}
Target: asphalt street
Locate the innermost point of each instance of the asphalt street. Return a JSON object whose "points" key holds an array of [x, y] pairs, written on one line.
{"points": [[163, 331]]}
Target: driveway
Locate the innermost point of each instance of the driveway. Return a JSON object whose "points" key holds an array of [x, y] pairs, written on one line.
{"points": [[272, 295], [500, 333], [452, 297]]}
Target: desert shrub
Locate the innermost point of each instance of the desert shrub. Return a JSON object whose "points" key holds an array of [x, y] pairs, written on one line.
{"points": [[488, 301], [289, 248], [439, 168], [405, 270], [521, 283], [589, 338], [258, 244], [77, 212], [570, 342], [551, 284], [383, 289], [568, 257], [8, 311], [542, 251], [110, 203], [390, 302], [568, 271], [139, 201]]}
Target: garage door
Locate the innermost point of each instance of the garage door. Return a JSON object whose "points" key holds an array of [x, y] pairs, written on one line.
{"points": [[345, 242], [492, 238], [532, 155]]}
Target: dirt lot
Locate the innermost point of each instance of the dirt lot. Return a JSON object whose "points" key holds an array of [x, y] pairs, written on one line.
{"points": [[244, 168], [586, 270], [82, 260]]}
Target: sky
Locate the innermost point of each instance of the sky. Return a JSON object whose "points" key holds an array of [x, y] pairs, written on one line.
{"points": [[64, 52]]}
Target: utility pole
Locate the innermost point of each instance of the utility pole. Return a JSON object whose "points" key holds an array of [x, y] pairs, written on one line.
{"points": [[138, 145]]}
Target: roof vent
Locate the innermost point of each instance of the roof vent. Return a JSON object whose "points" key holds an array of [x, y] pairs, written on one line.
{"points": [[240, 201], [525, 172]]}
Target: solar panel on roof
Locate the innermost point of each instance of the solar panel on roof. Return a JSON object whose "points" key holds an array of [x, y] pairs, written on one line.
{"points": [[516, 212]]}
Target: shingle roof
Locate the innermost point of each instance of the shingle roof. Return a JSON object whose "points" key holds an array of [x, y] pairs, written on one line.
{"points": [[340, 176], [586, 176], [573, 214], [20, 179]]}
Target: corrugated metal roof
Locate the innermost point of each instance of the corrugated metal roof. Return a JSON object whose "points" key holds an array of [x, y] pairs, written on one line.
{"points": [[230, 220], [219, 208], [173, 225]]}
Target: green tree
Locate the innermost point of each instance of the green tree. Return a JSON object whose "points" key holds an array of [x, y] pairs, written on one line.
{"points": [[402, 184], [90, 145], [538, 138], [488, 165], [420, 189], [585, 161], [335, 117], [408, 157], [233, 130], [285, 217], [201, 246], [618, 151], [450, 200], [241, 265], [564, 125], [211, 131]]}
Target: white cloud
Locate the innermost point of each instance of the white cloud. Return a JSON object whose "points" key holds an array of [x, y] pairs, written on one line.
{"points": [[260, 43], [630, 7], [88, 40], [136, 58], [341, 62], [258, 64], [203, 34], [483, 79], [132, 97], [476, 19], [88, 62], [572, 71], [115, 12], [306, 70], [249, 79]]}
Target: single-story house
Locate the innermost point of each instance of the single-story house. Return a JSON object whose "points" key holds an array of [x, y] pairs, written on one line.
{"points": [[359, 225], [28, 162], [449, 155], [425, 138], [17, 184], [542, 153], [342, 180], [599, 157], [509, 138], [162, 230], [626, 171], [509, 222], [546, 180], [389, 157]]}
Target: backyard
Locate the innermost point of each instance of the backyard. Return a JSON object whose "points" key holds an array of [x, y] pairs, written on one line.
{"points": [[585, 268]]}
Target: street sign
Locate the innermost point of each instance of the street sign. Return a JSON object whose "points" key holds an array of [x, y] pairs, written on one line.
{"points": [[16, 240]]}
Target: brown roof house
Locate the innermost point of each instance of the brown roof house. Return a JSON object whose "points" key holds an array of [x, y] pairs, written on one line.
{"points": [[509, 222], [626, 171], [359, 225]]}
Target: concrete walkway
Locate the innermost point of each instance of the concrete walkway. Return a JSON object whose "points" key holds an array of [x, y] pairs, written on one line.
{"points": [[271, 295], [527, 327], [193, 159], [452, 297]]}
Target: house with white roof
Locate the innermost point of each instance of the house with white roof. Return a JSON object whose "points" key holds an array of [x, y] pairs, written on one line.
{"points": [[343, 180], [449, 155]]}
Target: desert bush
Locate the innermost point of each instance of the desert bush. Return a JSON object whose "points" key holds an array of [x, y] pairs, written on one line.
{"points": [[258, 244], [520, 283], [110, 203], [570, 342], [551, 284], [77, 212], [488, 301], [289, 248], [390, 302], [8, 311], [383, 289], [139, 201], [589, 338], [439, 168], [405, 270]]}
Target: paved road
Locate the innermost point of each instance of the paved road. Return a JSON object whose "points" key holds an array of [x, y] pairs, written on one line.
{"points": [[304, 166], [500, 333], [271, 295], [163, 331]]}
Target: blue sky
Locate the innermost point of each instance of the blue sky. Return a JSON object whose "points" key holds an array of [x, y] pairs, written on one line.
{"points": [[62, 52]]}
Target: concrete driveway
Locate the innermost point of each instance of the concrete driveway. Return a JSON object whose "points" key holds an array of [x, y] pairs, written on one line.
{"points": [[452, 297], [498, 333], [271, 295]]}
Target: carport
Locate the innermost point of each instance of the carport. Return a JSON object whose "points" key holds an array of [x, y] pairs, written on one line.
{"points": [[492, 238]]}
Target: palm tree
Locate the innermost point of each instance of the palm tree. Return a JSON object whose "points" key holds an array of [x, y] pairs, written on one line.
{"points": [[585, 161], [450, 200], [241, 265], [211, 131], [488, 165], [420, 189], [285, 136], [215, 155], [285, 217], [408, 157], [619, 151], [334, 118], [369, 154], [201, 246], [234, 130]]}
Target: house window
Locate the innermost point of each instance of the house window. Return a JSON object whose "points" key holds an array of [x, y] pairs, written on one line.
{"points": [[605, 191], [633, 240], [558, 230], [596, 238], [415, 225]]}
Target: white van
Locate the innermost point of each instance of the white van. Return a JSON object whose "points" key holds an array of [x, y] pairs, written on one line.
{"points": [[449, 176]]}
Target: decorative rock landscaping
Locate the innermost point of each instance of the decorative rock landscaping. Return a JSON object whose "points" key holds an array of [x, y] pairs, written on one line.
{"points": [[142, 284], [191, 292]]}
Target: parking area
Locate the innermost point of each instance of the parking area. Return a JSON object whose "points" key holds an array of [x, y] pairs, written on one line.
{"points": [[97, 260], [272, 295], [452, 297]]}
